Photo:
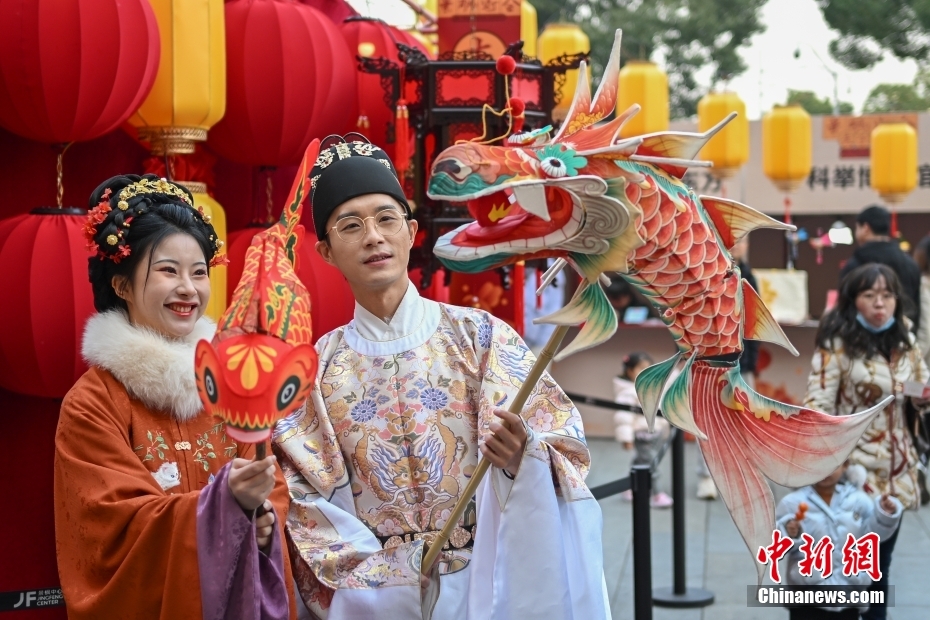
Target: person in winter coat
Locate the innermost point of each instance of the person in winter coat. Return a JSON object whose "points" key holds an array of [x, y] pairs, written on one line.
{"points": [[155, 505], [873, 230], [836, 507], [632, 430], [866, 352]]}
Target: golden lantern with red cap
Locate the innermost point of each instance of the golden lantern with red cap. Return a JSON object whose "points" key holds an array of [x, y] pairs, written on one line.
{"points": [[643, 82], [189, 94], [563, 40], [893, 159], [729, 149], [786, 155]]}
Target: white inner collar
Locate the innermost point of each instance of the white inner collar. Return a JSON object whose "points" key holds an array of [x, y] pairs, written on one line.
{"points": [[408, 317]]}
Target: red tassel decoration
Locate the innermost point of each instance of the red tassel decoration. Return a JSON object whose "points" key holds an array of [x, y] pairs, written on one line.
{"points": [[401, 138]]}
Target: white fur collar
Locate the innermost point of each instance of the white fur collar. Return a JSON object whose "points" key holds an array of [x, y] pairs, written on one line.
{"points": [[156, 370]]}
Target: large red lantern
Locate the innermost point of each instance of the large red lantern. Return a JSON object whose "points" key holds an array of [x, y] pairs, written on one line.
{"points": [[373, 116], [48, 300], [290, 78], [73, 70], [334, 304]]}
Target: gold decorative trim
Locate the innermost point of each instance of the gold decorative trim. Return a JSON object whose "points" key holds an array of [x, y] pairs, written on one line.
{"points": [[195, 187], [172, 140]]}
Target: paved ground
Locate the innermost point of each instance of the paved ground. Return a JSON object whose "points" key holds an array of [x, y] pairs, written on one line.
{"points": [[717, 558]]}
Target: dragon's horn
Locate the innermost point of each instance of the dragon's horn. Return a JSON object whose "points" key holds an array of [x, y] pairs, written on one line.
{"points": [[674, 151], [293, 208], [583, 113]]}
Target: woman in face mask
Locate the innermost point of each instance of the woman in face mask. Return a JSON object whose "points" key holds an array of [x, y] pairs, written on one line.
{"points": [[866, 352]]}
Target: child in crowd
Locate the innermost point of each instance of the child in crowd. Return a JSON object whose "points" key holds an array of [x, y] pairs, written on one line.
{"points": [[836, 506], [632, 430]]}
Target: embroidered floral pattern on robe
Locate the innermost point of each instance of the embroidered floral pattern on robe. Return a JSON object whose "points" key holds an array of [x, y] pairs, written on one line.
{"points": [[402, 431]]}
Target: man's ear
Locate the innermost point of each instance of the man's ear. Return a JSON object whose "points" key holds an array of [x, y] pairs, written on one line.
{"points": [[325, 251], [120, 285], [414, 226]]}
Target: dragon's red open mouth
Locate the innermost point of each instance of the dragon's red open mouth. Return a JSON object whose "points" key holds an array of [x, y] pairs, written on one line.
{"points": [[500, 219]]}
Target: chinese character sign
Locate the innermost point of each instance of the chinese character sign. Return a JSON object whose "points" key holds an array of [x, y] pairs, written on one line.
{"points": [[860, 555]]}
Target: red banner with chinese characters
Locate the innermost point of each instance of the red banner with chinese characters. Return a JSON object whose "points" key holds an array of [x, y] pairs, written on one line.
{"points": [[487, 26]]}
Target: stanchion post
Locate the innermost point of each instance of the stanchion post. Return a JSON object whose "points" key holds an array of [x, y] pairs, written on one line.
{"points": [[679, 595], [641, 476]]}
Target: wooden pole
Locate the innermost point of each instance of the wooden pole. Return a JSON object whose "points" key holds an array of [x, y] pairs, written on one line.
{"points": [[516, 406]]}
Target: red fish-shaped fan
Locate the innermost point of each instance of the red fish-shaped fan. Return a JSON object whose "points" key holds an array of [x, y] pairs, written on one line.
{"points": [[261, 364]]}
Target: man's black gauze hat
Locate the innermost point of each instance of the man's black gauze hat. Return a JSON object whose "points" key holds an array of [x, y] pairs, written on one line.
{"points": [[347, 170]]}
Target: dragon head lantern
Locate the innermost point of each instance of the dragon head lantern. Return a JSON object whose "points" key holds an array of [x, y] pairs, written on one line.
{"points": [[261, 364]]}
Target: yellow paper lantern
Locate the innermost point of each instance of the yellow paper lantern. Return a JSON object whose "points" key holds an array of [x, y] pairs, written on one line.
{"points": [[189, 95], [642, 82], [729, 149], [217, 215], [786, 146], [894, 161], [560, 40], [529, 28]]}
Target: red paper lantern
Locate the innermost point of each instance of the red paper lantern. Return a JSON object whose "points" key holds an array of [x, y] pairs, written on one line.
{"points": [[333, 303], [372, 115], [289, 79], [74, 69], [47, 301]]}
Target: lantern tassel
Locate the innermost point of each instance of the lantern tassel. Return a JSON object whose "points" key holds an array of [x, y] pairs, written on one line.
{"points": [[402, 138]]}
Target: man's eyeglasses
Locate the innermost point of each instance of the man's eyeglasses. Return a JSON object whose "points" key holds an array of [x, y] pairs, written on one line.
{"points": [[352, 229]]}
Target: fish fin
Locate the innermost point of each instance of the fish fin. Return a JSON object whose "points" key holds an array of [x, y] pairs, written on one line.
{"points": [[758, 322], [577, 116], [733, 219], [679, 147], [676, 403], [650, 384], [583, 112], [600, 139], [293, 208], [589, 305], [751, 437]]}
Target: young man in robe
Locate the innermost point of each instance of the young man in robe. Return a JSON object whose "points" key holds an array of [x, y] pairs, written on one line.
{"points": [[409, 395]]}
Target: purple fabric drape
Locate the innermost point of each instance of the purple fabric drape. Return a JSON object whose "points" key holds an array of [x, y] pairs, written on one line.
{"points": [[237, 581]]}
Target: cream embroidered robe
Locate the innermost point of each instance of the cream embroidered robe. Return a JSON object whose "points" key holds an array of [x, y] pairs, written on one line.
{"points": [[383, 448], [843, 385]]}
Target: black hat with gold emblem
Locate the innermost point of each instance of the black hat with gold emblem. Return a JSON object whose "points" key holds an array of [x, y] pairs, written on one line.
{"points": [[347, 170]]}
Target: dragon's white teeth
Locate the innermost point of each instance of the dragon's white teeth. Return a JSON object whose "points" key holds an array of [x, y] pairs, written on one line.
{"points": [[532, 199]]}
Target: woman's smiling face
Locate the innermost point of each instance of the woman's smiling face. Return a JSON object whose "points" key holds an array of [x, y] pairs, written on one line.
{"points": [[170, 289]]}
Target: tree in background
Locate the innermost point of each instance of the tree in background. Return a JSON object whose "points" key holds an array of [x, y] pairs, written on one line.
{"points": [[895, 98], [869, 27], [809, 101], [686, 34]]}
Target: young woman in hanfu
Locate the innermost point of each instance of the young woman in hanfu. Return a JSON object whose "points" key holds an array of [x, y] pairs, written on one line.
{"points": [[155, 507], [408, 395]]}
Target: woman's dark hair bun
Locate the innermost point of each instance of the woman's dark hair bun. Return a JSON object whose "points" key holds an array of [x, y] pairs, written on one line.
{"points": [[129, 216]]}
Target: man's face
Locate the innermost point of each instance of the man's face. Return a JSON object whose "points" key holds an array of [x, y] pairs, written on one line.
{"points": [[863, 233], [359, 241]]}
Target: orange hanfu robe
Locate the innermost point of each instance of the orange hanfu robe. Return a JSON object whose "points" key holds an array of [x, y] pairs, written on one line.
{"points": [[130, 479]]}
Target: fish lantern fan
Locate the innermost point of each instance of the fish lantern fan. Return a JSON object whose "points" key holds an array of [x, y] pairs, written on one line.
{"points": [[261, 364]]}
